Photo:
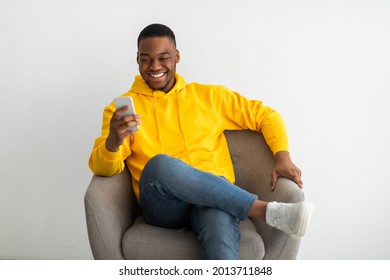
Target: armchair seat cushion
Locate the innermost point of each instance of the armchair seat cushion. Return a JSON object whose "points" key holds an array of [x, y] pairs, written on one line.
{"points": [[143, 241]]}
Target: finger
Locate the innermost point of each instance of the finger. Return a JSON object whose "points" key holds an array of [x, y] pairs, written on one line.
{"points": [[117, 119], [137, 117], [130, 123], [122, 134], [118, 113], [122, 109], [125, 122], [299, 183], [297, 179], [132, 117]]}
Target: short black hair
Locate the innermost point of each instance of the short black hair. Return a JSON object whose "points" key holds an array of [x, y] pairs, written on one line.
{"points": [[156, 30]]}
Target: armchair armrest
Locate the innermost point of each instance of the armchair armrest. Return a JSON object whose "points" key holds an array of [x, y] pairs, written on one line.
{"points": [[279, 244], [253, 164], [111, 208]]}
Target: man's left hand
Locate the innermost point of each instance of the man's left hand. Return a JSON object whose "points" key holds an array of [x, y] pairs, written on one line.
{"points": [[284, 167]]}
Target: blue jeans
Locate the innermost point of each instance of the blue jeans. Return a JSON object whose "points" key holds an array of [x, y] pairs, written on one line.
{"points": [[173, 195]]}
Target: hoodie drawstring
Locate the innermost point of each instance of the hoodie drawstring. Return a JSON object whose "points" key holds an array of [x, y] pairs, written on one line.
{"points": [[158, 124], [181, 128]]}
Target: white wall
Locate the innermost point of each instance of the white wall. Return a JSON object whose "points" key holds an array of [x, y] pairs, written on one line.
{"points": [[323, 64]]}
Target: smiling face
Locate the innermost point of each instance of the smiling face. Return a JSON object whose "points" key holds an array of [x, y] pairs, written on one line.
{"points": [[157, 58]]}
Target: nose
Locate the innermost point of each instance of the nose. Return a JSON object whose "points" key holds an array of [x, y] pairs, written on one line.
{"points": [[155, 65]]}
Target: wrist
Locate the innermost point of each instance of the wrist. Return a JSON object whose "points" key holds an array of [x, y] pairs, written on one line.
{"points": [[111, 148], [282, 156]]}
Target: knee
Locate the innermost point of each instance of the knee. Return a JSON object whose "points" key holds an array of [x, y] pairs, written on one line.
{"points": [[160, 168], [156, 164], [159, 161]]}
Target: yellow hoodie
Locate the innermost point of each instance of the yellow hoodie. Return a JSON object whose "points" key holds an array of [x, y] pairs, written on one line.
{"points": [[187, 123]]}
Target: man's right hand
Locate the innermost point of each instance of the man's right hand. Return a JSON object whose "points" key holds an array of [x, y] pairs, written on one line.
{"points": [[118, 129]]}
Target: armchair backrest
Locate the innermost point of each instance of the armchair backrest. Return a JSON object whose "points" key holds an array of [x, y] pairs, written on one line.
{"points": [[253, 161]]}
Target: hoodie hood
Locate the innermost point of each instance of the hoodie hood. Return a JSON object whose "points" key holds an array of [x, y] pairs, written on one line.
{"points": [[141, 87]]}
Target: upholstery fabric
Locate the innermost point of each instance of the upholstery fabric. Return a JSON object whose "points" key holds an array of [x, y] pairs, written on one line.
{"points": [[143, 241], [117, 230]]}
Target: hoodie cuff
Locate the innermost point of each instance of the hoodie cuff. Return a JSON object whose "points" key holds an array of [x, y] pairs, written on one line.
{"points": [[108, 155]]}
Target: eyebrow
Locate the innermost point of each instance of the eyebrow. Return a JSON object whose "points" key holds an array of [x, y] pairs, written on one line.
{"points": [[163, 53]]}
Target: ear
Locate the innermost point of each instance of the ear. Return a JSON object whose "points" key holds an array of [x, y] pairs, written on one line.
{"points": [[177, 56], [137, 58]]}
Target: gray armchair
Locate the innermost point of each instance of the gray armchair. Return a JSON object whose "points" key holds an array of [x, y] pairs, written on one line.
{"points": [[117, 230]]}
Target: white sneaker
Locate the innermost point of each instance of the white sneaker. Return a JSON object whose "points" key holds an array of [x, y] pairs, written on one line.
{"points": [[292, 218]]}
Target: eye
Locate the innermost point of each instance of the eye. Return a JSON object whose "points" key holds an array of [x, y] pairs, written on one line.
{"points": [[164, 58]]}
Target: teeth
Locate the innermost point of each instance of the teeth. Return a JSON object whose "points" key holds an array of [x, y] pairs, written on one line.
{"points": [[157, 75]]}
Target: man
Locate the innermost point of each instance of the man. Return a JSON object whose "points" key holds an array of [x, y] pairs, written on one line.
{"points": [[179, 160]]}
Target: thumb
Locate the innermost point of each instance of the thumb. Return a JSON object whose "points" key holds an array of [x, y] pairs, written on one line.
{"points": [[274, 178]]}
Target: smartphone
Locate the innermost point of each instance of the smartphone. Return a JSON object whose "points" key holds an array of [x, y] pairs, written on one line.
{"points": [[126, 101]]}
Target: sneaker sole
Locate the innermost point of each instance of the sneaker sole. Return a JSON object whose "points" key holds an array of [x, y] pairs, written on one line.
{"points": [[305, 214]]}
